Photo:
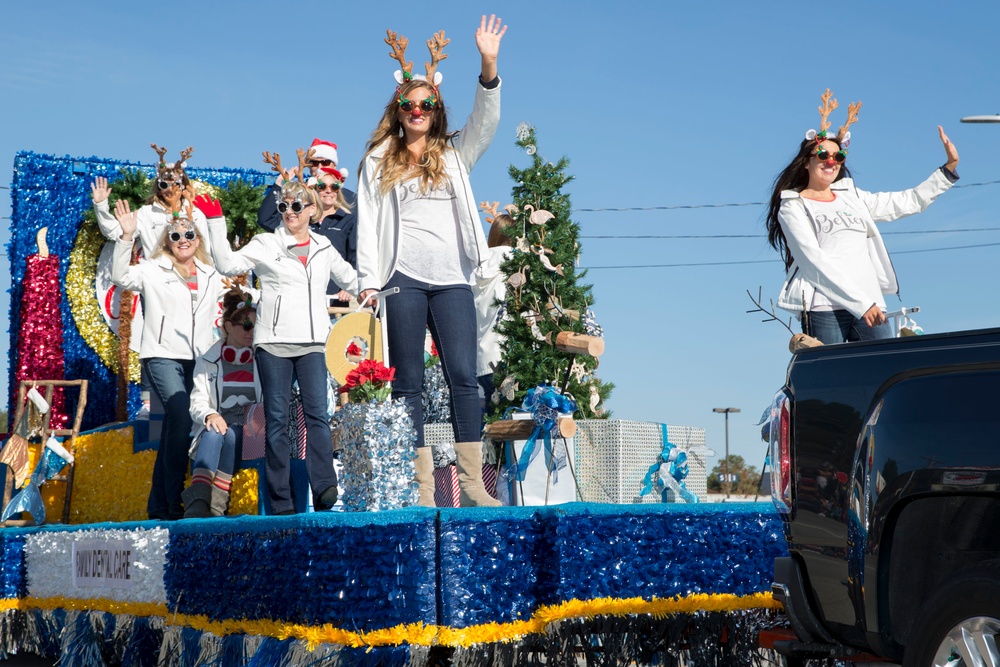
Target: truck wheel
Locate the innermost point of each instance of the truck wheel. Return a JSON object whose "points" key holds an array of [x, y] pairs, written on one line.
{"points": [[960, 625]]}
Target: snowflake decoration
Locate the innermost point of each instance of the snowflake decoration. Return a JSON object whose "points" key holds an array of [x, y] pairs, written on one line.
{"points": [[523, 131]]}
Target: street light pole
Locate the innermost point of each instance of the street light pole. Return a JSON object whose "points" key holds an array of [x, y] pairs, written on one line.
{"points": [[725, 464]]}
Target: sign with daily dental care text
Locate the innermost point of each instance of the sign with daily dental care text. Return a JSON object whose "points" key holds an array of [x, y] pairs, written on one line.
{"points": [[103, 563]]}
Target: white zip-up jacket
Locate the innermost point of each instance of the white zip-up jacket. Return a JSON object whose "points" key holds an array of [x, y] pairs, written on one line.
{"points": [[378, 215], [205, 397], [174, 327], [812, 269], [151, 223], [292, 307]]}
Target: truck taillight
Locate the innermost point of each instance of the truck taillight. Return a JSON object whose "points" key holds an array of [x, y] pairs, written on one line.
{"points": [[781, 453]]}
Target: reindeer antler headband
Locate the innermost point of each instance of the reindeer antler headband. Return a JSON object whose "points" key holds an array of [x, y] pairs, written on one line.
{"points": [[435, 45], [238, 285], [843, 136], [275, 161], [180, 164]]}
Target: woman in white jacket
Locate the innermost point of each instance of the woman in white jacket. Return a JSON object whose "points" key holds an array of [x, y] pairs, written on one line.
{"points": [[419, 230], [838, 268], [180, 291], [294, 266], [225, 384]]}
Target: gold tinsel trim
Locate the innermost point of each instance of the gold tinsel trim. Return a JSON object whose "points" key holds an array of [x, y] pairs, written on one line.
{"points": [[244, 494], [80, 281], [417, 634], [111, 481]]}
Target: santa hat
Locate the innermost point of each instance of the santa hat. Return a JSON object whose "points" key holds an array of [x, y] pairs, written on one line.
{"points": [[324, 150], [338, 173]]}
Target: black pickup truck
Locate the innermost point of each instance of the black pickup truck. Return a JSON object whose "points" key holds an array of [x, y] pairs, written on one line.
{"points": [[886, 471]]}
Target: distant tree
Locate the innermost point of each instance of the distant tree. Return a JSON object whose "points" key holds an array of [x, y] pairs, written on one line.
{"points": [[747, 478], [3, 421]]}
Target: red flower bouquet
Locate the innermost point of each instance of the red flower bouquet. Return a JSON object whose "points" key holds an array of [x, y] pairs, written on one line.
{"points": [[369, 382]]}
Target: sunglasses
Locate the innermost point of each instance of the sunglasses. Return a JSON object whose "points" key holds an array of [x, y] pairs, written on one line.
{"points": [[427, 105], [296, 206], [823, 155], [246, 324], [320, 187], [163, 185], [189, 235], [320, 163]]}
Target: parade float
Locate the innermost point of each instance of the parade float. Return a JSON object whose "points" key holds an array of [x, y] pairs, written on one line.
{"points": [[614, 574]]}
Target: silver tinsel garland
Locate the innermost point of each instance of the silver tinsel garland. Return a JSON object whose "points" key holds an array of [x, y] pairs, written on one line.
{"points": [[436, 397], [378, 451]]}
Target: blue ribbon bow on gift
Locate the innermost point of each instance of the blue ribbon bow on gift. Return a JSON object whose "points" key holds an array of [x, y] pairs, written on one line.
{"points": [[545, 403], [672, 467], [29, 499]]}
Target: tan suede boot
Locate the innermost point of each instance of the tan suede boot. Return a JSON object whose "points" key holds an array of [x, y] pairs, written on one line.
{"points": [[472, 493], [424, 476]]}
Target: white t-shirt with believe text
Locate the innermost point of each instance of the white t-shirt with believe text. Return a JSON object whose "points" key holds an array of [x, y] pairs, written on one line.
{"points": [[843, 236], [429, 237]]}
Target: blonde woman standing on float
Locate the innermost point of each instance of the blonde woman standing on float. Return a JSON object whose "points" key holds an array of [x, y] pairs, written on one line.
{"points": [[419, 230], [294, 266], [180, 290]]}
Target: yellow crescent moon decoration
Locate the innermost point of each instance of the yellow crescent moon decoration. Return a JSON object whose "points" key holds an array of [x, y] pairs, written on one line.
{"points": [[86, 311]]}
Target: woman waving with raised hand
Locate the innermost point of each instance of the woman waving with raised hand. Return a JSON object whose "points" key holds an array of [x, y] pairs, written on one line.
{"points": [[180, 291], [838, 268], [294, 266], [419, 230]]}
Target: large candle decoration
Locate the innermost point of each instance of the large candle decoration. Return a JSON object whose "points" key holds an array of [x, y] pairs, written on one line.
{"points": [[40, 344]]}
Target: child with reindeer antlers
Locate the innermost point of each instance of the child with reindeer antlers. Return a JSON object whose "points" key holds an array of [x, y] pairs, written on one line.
{"points": [[293, 265], [824, 226], [419, 230]]}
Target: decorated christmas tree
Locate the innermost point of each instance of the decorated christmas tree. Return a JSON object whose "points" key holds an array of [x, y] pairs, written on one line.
{"points": [[548, 332]]}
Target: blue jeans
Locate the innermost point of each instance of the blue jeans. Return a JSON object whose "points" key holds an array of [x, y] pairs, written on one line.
{"points": [[450, 313], [217, 452], [276, 375], [838, 326], [172, 380]]}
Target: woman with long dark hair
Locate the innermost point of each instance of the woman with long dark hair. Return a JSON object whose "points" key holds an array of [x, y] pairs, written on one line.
{"points": [[419, 230], [838, 268]]}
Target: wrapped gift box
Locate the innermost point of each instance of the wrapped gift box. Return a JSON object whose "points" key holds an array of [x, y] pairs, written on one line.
{"points": [[613, 456], [441, 437], [539, 487]]}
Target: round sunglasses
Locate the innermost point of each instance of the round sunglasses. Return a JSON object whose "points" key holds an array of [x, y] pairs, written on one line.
{"points": [[823, 155], [189, 235], [427, 105], [163, 185], [296, 206], [320, 187]]}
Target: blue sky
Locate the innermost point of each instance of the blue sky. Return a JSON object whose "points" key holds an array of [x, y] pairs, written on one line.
{"points": [[656, 104]]}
